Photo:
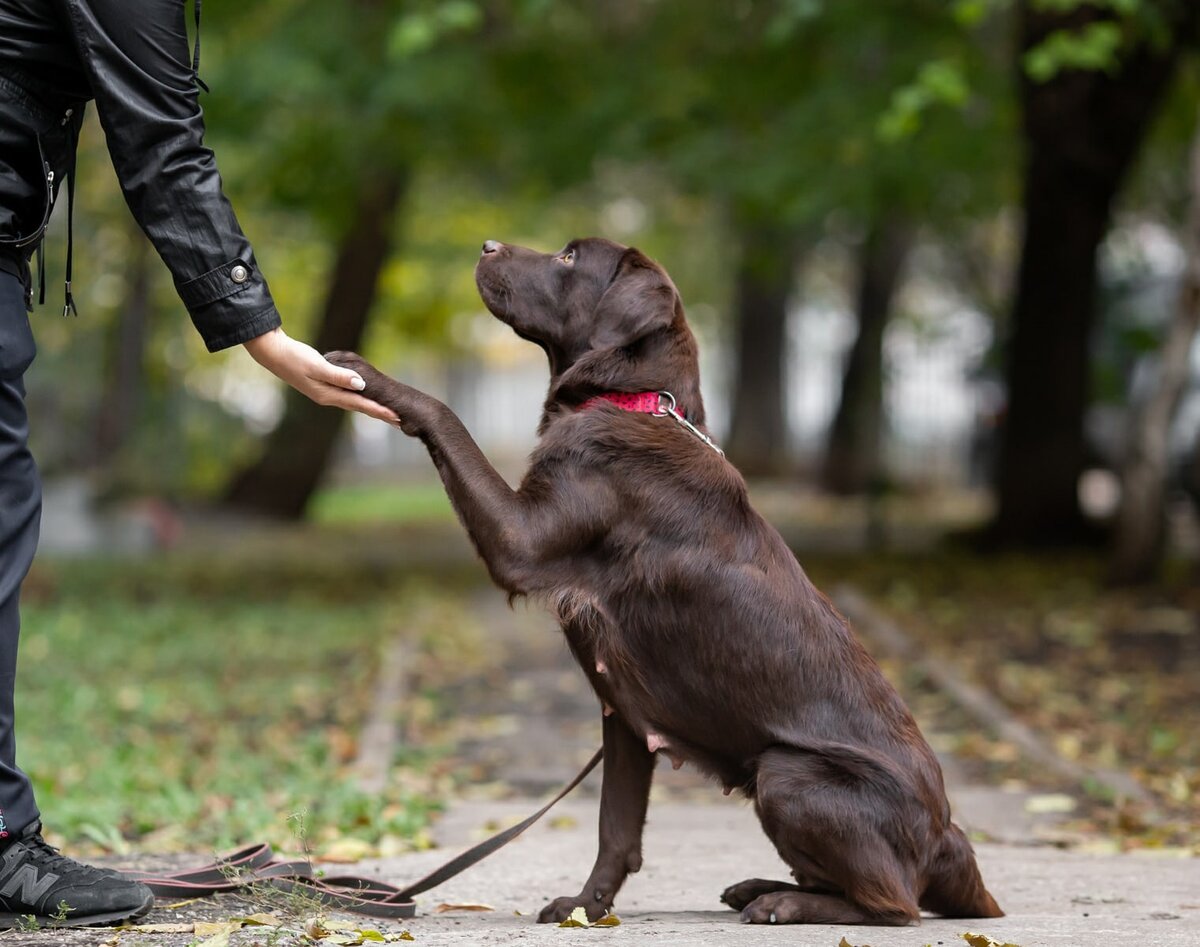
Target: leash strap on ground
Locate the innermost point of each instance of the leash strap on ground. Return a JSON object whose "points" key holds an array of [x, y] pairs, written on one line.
{"points": [[481, 851], [256, 865]]}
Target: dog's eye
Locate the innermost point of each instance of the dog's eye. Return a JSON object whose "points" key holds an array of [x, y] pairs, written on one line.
{"points": [[567, 258]]}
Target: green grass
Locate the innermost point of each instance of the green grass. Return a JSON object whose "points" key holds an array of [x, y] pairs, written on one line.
{"points": [[375, 503], [200, 702]]}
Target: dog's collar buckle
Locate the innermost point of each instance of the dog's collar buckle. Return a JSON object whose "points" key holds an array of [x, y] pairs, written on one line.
{"points": [[666, 408]]}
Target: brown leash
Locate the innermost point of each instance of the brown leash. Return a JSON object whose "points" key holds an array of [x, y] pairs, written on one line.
{"points": [[256, 865]]}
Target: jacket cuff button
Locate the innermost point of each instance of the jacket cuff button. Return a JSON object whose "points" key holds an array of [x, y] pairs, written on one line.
{"points": [[239, 274]]}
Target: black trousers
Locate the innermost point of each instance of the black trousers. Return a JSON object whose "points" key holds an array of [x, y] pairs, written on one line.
{"points": [[20, 517]]}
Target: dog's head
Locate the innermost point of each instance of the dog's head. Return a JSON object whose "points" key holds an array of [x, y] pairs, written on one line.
{"points": [[608, 317]]}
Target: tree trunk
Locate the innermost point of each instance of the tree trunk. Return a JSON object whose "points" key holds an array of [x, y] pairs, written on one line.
{"points": [[124, 359], [281, 482], [1140, 540], [853, 455], [758, 434], [1082, 130]]}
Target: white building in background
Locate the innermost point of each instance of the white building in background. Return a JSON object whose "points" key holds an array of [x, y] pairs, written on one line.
{"points": [[931, 396]]}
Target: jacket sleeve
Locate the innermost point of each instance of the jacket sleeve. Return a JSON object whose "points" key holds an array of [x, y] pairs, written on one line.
{"points": [[136, 57]]}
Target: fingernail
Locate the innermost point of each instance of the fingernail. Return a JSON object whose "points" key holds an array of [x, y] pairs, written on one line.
{"points": [[357, 383]]}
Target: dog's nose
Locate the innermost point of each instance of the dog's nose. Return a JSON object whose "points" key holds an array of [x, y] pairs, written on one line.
{"points": [[491, 246]]}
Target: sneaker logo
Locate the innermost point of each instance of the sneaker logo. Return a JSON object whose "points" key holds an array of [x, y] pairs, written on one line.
{"points": [[23, 878]]}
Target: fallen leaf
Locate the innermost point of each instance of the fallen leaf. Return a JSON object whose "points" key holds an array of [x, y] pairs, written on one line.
{"points": [[982, 940], [315, 928], [444, 908], [347, 851], [215, 928], [260, 920], [577, 918], [405, 935], [564, 822], [1049, 803], [218, 940], [356, 939], [609, 920]]}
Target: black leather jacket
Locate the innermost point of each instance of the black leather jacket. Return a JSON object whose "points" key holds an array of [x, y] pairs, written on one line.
{"points": [[132, 58]]}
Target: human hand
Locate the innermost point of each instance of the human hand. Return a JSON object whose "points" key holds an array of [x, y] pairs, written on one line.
{"points": [[303, 367]]}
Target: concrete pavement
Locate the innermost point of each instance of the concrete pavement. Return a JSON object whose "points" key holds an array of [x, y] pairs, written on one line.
{"points": [[530, 721], [694, 850]]}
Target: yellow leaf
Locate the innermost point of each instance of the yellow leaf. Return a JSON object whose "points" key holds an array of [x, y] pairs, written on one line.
{"points": [[215, 928], [347, 851], [1054, 802], [609, 920], [315, 928], [218, 940], [577, 918], [405, 935], [982, 940], [444, 908]]}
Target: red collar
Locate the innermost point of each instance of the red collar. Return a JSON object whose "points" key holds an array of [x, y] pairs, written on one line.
{"points": [[644, 402], [660, 404]]}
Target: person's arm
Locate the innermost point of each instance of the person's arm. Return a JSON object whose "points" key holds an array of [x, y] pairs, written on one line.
{"points": [[138, 62]]}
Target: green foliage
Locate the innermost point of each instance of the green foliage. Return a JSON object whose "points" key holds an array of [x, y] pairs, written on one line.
{"points": [[1092, 47], [375, 504], [193, 702], [938, 83], [420, 31]]}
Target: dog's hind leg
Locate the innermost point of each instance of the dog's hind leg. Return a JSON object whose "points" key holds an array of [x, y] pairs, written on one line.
{"points": [[954, 887], [825, 829], [624, 796]]}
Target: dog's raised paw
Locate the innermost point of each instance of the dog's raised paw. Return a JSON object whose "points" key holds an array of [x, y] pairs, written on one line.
{"points": [[350, 360]]}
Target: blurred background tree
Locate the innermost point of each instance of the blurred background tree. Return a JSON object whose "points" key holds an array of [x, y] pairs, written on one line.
{"points": [[893, 177]]}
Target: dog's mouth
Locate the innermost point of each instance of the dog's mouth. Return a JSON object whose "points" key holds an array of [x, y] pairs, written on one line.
{"points": [[495, 293]]}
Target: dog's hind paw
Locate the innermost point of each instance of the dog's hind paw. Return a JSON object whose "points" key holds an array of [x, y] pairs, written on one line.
{"points": [[739, 895]]}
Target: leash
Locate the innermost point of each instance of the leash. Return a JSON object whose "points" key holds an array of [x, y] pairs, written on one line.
{"points": [[256, 865]]}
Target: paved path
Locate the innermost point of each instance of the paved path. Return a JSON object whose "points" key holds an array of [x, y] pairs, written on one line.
{"points": [[693, 850], [536, 722]]}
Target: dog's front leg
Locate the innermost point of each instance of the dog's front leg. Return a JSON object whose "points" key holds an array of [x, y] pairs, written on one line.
{"points": [[624, 794], [507, 531]]}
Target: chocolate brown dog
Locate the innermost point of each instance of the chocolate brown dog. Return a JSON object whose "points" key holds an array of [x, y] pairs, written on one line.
{"points": [[698, 630]]}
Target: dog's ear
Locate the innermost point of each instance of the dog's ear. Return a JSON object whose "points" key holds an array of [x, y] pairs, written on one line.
{"points": [[639, 300]]}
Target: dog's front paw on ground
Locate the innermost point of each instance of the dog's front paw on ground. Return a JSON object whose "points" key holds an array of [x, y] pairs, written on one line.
{"points": [[741, 894], [560, 909]]}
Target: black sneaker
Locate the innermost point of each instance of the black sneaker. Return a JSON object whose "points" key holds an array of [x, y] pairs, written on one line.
{"points": [[40, 886]]}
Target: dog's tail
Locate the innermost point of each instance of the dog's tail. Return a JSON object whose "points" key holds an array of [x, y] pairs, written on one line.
{"points": [[954, 887]]}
